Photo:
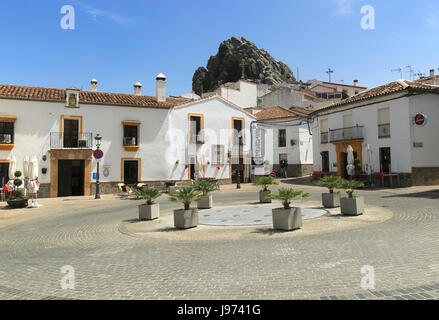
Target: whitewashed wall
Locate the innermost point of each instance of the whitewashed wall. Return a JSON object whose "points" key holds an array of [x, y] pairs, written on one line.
{"points": [[367, 116], [243, 94]]}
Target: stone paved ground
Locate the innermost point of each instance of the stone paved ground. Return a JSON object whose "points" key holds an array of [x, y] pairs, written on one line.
{"points": [[110, 265]]}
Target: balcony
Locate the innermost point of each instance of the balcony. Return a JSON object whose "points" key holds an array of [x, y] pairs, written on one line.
{"points": [[384, 131], [346, 134], [324, 137], [61, 140], [131, 144]]}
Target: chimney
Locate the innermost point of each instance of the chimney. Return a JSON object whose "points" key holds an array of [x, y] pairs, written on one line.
{"points": [[431, 72], [94, 85], [161, 87], [355, 83], [138, 89]]}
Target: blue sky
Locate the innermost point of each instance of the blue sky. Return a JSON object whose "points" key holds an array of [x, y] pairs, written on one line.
{"points": [[121, 42]]}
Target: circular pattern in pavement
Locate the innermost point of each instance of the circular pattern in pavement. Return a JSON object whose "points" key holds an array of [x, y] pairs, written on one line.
{"points": [[248, 215]]}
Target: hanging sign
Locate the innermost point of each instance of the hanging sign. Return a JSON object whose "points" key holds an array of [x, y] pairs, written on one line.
{"points": [[98, 154], [421, 119]]}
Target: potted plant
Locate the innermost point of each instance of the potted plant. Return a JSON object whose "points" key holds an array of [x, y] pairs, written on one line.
{"points": [[331, 199], [188, 217], [265, 182], [17, 199], [352, 205], [149, 210], [288, 218], [206, 187]]}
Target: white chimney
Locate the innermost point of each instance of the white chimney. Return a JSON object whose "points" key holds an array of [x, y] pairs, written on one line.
{"points": [[431, 72], [94, 85], [355, 83], [138, 89], [161, 87]]}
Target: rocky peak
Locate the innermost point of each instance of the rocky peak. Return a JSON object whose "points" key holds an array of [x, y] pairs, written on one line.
{"points": [[227, 64]]}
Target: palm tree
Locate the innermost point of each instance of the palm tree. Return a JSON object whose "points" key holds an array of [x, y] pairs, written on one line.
{"points": [[186, 195], [287, 195], [265, 182], [350, 185], [205, 186], [330, 182], [149, 194]]}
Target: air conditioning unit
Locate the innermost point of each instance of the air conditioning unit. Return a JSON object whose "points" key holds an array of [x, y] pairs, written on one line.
{"points": [[129, 141]]}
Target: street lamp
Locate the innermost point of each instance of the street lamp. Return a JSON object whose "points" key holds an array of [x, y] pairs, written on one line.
{"points": [[238, 185], [98, 139]]}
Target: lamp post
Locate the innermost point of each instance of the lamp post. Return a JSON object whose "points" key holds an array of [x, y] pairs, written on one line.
{"points": [[238, 185], [98, 139]]}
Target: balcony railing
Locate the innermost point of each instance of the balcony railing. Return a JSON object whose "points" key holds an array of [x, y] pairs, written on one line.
{"points": [[344, 134], [324, 137], [61, 140], [6, 139], [384, 130], [130, 141]]}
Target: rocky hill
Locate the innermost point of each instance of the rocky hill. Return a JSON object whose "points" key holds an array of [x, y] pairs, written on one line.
{"points": [[226, 66]]}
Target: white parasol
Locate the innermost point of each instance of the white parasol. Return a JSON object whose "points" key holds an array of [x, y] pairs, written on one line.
{"points": [[369, 160], [199, 167], [12, 167], [26, 163], [33, 168], [351, 162]]}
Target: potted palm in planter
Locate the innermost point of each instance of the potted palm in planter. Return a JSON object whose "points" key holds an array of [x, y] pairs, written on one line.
{"points": [[149, 210], [352, 205], [206, 187], [287, 218], [331, 199], [265, 182], [188, 217], [17, 199]]}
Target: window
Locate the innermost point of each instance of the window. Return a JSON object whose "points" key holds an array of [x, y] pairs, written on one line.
{"points": [[218, 154], [4, 173], [282, 142], [6, 132], [384, 123], [130, 135], [196, 126], [238, 126]]}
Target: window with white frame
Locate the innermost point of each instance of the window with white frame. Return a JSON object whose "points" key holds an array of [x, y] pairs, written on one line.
{"points": [[384, 123]]}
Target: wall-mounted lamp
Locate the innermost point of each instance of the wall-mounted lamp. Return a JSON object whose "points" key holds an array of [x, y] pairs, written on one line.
{"points": [[177, 162], [44, 170], [44, 157]]}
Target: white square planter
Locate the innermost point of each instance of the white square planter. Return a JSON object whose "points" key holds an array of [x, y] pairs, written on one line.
{"points": [[149, 212], [185, 219], [287, 219], [331, 200], [262, 195], [206, 203], [352, 206]]}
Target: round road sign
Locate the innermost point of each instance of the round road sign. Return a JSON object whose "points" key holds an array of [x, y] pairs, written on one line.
{"points": [[98, 154]]}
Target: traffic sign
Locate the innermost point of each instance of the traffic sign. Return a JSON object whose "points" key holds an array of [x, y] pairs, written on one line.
{"points": [[98, 154]]}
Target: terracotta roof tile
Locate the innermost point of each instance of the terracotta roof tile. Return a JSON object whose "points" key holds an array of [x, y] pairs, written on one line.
{"points": [[274, 113], [87, 97], [386, 89]]}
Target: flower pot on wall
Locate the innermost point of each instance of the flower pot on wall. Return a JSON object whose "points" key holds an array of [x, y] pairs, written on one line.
{"points": [[185, 219], [287, 219], [352, 206], [206, 203], [331, 200], [149, 212], [262, 195]]}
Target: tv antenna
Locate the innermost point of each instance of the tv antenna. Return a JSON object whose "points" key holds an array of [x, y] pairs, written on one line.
{"points": [[410, 71], [420, 75], [329, 72], [398, 70]]}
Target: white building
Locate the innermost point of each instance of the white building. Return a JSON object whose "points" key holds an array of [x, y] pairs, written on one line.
{"points": [[150, 139], [287, 142], [382, 117]]}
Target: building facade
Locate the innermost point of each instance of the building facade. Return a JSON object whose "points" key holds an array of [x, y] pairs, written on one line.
{"points": [[384, 118], [150, 139]]}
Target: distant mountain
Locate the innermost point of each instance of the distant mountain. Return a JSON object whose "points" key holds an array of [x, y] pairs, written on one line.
{"points": [[226, 66]]}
